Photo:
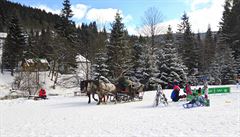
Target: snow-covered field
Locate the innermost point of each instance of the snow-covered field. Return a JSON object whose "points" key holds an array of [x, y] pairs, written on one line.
{"points": [[69, 116]]}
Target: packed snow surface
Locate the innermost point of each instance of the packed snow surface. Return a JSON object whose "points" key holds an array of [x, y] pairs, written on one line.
{"points": [[71, 116]]}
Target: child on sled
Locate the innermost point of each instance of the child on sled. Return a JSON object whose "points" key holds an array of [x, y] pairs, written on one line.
{"points": [[41, 94], [198, 99]]}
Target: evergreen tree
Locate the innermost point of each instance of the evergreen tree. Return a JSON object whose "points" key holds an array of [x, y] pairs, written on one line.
{"points": [[92, 40], [67, 36], [168, 38], [30, 17], [31, 44], [201, 57], [140, 70], [66, 11], [223, 67], [47, 45], [66, 27], [117, 49], [136, 73], [100, 67], [14, 45], [236, 32], [224, 52], [209, 48], [229, 26], [169, 63], [188, 51]]}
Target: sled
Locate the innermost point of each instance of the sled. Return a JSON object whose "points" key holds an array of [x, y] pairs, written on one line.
{"points": [[192, 105], [197, 104]]}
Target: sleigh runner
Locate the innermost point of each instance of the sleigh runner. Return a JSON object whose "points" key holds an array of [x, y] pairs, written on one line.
{"points": [[128, 95]]}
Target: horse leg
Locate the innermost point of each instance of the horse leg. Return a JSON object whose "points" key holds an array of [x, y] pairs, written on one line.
{"points": [[116, 97], [89, 98], [99, 99], [94, 97], [105, 98]]}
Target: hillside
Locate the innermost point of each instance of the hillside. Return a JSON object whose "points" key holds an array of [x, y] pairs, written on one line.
{"points": [[30, 18]]}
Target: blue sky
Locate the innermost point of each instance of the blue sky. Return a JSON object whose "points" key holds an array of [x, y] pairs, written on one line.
{"points": [[201, 12]]}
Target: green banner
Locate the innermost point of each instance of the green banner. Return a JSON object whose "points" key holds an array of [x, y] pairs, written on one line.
{"points": [[219, 90], [215, 90]]}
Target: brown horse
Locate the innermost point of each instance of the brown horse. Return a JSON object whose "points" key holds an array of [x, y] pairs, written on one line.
{"points": [[104, 89], [89, 87]]}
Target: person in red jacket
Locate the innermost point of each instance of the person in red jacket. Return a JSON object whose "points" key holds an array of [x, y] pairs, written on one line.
{"points": [[42, 93], [187, 89]]}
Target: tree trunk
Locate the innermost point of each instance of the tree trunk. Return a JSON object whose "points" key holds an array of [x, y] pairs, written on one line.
{"points": [[53, 68]]}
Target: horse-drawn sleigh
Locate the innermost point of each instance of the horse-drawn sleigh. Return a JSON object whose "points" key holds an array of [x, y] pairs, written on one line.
{"points": [[113, 92]]}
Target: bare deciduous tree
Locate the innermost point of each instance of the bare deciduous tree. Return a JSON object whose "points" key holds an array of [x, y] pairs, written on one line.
{"points": [[151, 27], [151, 20]]}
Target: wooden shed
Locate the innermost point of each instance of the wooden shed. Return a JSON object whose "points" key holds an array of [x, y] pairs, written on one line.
{"points": [[34, 65]]}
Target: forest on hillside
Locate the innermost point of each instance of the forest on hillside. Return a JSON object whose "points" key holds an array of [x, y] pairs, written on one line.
{"points": [[182, 56], [30, 18]]}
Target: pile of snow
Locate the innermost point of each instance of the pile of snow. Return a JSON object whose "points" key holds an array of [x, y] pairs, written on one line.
{"points": [[70, 116]]}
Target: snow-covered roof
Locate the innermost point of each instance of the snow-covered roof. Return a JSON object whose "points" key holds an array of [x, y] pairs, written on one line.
{"points": [[80, 58], [29, 60], [3, 35], [33, 61], [44, 61]]}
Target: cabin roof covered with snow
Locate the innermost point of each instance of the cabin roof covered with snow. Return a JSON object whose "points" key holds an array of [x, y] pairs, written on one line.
{"points": [[35, 64], [29, 61], [80, 58], [44, 61]]}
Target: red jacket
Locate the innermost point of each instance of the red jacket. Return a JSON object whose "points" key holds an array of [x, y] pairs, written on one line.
{"points": [[42, 93], [188, 90], [176, 88]]}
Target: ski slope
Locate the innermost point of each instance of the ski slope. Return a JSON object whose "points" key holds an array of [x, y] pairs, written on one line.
{"points": [[71, 116]]}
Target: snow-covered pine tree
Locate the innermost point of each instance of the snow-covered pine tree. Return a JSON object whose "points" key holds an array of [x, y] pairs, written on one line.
{"points": [[152, 18], [235, 35], [170, 64], [31, 44], [100, 68], [117, 50], [208, 49], [67, 36], [151, 70], [14, 46], [138, 61], [188, 51], [201, 57], [224, 60], [223, 68]]}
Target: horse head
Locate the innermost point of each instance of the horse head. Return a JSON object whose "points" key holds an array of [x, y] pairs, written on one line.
{"points": [[89, 85]]}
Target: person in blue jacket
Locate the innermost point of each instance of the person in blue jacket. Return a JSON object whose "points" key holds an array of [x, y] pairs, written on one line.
{"points": [[175, 93]]}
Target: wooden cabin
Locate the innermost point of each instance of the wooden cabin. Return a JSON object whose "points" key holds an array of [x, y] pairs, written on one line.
{"points": [[34, 65]]}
